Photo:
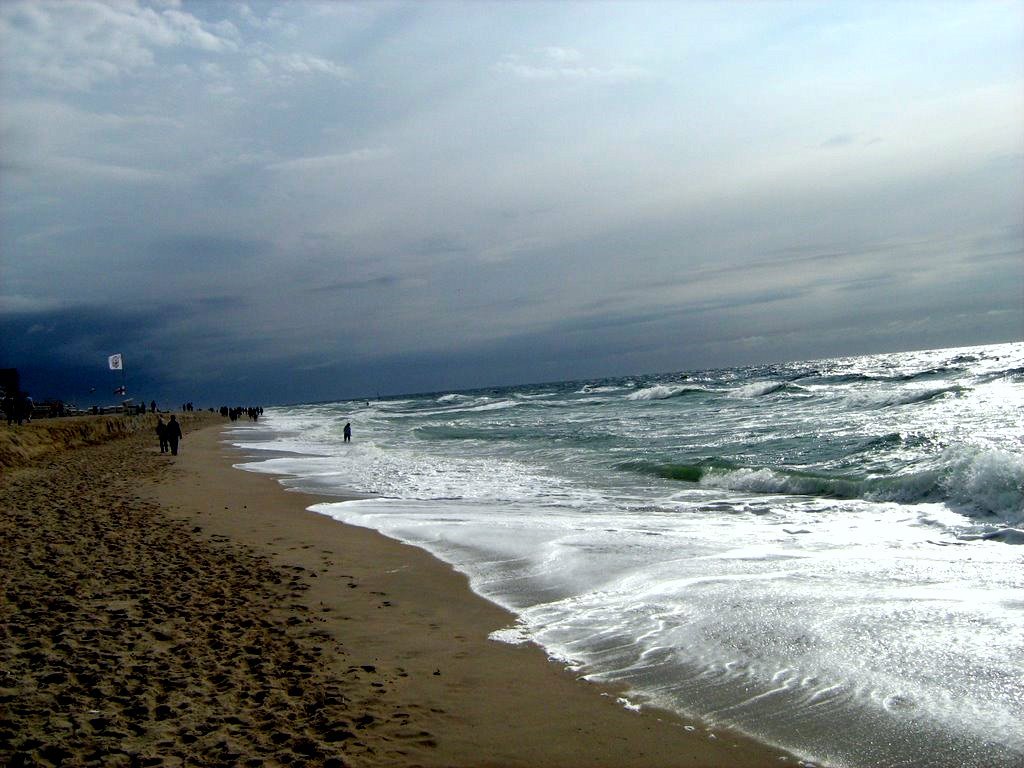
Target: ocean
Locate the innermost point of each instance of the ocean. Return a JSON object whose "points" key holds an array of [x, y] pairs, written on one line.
{"points": [[827, 555]]}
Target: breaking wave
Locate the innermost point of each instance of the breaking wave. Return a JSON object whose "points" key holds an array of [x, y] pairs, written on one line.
{"points": [[663, 392], [857, 378], [762, 388], [592, 389], [890, 399], [1013, 374], [976, 482], [454, 398]]}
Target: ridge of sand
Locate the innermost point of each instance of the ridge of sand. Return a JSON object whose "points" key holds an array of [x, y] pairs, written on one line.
{"points": [[177, 611], [40, 439]]}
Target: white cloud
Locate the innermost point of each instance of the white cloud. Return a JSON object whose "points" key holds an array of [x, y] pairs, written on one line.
{"points": [[289, 64], [58, 138], [512, 249], [102, 171], [259, 68], [564, 55], [328, 162], [17, 304], [566, 64], [75, 46], [192, 32]]}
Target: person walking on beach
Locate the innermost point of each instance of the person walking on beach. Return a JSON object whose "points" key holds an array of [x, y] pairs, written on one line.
{"points": [[348, 432], [161, 433], [173, 433]]}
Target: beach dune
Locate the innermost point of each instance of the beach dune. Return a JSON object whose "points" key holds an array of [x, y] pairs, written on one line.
{"points": [[178, 611]]}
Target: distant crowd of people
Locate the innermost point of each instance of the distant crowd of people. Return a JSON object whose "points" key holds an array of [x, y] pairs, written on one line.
{"points": [[169, 432], [253, 412], [18, 408]]}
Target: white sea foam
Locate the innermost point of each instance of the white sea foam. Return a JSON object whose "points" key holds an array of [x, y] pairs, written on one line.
{"points": [[454, 397], [623, 606], [663, 392], [758, 389], [510, 636], [992, 480], [791, 566], [888, 397], [978, 482]]}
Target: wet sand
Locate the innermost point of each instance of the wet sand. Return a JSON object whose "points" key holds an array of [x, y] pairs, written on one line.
{"points": [[166, 610]]}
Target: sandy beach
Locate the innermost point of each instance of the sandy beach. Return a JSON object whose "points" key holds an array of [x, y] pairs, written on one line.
{"points": [[163, 610]]}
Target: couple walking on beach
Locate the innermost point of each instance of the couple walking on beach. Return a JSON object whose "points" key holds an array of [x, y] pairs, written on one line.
{"points": [[169, 434]]}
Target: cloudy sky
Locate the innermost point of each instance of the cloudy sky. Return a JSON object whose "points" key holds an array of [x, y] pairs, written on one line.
{"points": [[304, 201]]}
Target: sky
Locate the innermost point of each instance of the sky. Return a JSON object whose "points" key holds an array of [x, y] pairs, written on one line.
{"points": [[296, 202]]}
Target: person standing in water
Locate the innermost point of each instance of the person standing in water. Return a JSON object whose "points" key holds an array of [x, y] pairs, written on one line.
{"points": [[348, 432]]}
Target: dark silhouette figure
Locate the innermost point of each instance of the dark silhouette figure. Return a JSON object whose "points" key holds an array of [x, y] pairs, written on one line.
{"points": [[173, 432], [348, 432], [152, 406], [19, 409], [161, 433]]}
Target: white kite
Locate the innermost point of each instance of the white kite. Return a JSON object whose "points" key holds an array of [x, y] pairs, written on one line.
{"points": [[116, 364]]}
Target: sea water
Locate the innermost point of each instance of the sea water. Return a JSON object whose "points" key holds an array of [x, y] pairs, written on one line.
{"points": [[826, 555]]}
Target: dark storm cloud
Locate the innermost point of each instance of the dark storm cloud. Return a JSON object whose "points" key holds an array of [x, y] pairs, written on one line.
{"points": [[347, 286], [205, 252], [78, 332], [1011, 254], [63, 353], [204, 304], [308, 200], [867, 283], [623, 321]]}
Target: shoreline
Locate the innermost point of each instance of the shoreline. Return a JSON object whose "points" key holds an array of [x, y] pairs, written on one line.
{"points": [[423, 616], [179, 611]]}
